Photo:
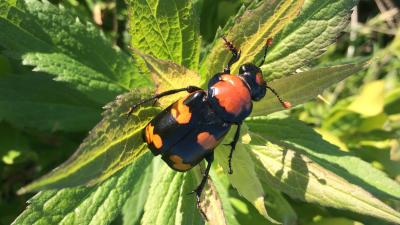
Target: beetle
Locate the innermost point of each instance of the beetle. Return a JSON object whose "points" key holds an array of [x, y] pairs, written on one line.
{"points": [[187, 131]]}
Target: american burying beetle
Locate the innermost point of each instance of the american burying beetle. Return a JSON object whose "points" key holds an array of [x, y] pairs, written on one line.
{"points": [[187, 131]]}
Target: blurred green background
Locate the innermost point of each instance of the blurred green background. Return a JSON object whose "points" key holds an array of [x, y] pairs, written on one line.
{"points": [[360, 114]]}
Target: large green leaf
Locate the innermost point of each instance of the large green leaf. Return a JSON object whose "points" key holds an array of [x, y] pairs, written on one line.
{"points": [[304, 86], [301, 178], [318, 25], [246, 181], [165, 29], [82, 205], [133, 209], [249, 34], [113, 144], [168, 201], [244, 178], [221, 184], [53, 106], [53, 40], [296, 135]]}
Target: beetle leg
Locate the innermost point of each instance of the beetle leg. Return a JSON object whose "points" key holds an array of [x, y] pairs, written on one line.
{"points": [[233, 145], [189, 89], [235, 55], [200, 188]]}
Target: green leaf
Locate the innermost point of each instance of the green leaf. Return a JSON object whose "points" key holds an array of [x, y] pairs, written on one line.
{"points": [[392, 102], [301, 178], [82, 205], [244, 178], [168, 201], [168, 75], [221, 184], [113, 144], [133, 209], [53, 40], [297, 136], [370, 101], [53, 106], [249, 34], [307, 36], [302, 87], [168, 30]]}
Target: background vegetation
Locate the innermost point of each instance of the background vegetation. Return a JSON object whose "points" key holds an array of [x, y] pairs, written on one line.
{"points": [[47, 109]]}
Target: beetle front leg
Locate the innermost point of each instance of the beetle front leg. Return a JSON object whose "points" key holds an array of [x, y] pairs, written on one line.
{"points": [[235, 55], [233, 145], [189, 89]]}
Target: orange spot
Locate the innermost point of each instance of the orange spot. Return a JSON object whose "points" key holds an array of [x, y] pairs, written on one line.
{"points": [[206, 140], [152, 137], [259, 79], [178, 163], [181, 112], [232, 94]]}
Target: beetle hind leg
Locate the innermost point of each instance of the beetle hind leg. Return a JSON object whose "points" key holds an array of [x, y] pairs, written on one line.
{"points": [[233, 145], [199, 190]]}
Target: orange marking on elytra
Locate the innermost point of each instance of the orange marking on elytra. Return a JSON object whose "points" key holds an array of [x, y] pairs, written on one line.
{"points": [[178, 163], [206, 140], [232, 94], [181, 112], [151, 137]]}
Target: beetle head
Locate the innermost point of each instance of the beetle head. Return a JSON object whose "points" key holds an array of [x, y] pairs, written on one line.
{"points": [[253, 76]]}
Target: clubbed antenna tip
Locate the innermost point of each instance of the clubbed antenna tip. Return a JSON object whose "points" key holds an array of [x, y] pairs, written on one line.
{"points": [[285, 104], [269, 42]]}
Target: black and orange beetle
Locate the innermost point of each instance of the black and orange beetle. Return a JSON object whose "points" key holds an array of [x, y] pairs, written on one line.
{"points": [[187, 131]]}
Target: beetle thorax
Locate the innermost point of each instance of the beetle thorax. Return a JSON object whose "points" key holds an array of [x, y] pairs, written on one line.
{"points": [[231, 98]]}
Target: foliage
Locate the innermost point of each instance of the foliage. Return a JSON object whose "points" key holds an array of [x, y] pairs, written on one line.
{"points": [[57, 69]]}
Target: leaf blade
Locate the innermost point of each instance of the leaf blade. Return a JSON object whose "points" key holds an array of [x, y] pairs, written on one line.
{"points": [[82, 205], [307, 36], [113, 144], [297, 136], [304, 86], [166, 30], [35, 31], [301, 178], [53, 106]]}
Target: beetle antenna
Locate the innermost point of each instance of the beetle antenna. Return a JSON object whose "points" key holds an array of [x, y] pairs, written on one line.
{"points": [[285, 104], [268, 43]]}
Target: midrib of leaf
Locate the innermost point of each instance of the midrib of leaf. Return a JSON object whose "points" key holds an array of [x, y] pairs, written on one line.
{"points": [[279, 162], [89, 157], [96, 74], [163, 76], [159, 29], [255, 46]]}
